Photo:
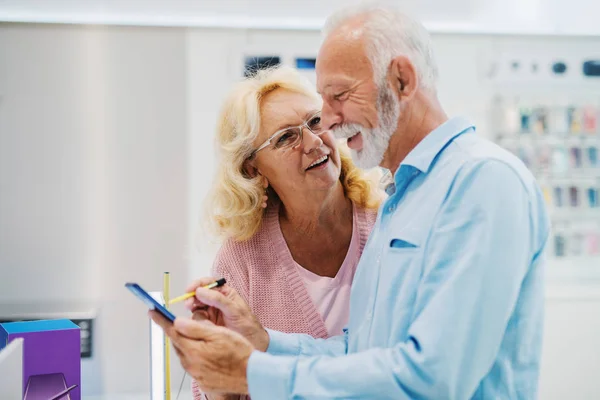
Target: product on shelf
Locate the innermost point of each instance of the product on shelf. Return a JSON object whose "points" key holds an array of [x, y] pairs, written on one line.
{"points": [[559, 142]]}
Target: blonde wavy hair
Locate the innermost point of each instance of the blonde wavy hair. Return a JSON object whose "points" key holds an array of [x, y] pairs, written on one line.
{"points": [[233, 206]]}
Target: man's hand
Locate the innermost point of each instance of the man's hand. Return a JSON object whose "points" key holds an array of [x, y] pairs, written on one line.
{"points": [[223, 306], [214, 356]]}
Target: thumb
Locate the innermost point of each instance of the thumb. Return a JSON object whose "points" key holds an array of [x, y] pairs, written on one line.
{"points": [[197, 330]]}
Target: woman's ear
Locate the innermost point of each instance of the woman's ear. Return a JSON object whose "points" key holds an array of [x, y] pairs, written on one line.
{"points": [[249, 169]]}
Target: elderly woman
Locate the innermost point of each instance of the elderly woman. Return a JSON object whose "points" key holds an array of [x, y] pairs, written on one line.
{"points": [[293, 210]]}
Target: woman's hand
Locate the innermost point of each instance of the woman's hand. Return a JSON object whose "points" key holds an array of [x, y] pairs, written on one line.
{"points": [[223, 306]]}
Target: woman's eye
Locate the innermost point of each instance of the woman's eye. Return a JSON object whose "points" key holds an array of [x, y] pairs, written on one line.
{"points": [[315, 123], [284, 139]]}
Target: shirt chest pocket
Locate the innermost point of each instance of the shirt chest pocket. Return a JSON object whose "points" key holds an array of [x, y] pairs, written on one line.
{"points": [[407, 240], [402, 261]]}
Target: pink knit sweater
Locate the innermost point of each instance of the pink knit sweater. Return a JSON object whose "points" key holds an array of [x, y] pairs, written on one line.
{"points": [[263, 272]]}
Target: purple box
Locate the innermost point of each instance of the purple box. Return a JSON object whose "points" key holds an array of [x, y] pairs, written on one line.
{"points": [[51, 358]]}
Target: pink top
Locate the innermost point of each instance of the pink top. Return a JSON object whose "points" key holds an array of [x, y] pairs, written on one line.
{"points": [[332, 295], [264, 273]]}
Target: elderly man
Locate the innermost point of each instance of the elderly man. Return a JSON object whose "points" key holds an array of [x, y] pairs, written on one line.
{"points": [[447, 301]]}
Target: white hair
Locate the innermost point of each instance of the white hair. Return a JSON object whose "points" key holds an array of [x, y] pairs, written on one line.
{"points": [[390, 33]]}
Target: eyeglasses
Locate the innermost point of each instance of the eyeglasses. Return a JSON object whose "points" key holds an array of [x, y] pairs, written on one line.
{"points": [[290, 137]]}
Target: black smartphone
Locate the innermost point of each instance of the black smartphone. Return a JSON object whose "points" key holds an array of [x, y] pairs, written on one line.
{"points": [[149, 300]]}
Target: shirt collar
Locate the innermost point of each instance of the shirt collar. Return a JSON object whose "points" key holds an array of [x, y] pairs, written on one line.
{"points": [[423, 155]]}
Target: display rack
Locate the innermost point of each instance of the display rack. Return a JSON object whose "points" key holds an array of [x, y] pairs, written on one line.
{"points": [[559, 141]]}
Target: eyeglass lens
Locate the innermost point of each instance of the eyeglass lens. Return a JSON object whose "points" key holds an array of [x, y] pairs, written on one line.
{"points": [[292, 136]]}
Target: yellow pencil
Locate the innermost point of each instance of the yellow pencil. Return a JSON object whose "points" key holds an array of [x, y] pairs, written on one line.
{"points": [[166, 284], [217, 283]]}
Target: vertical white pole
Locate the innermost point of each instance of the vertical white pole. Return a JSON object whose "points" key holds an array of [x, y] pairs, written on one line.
{"points": [[157, 356], [166, 299], [11, 370]]}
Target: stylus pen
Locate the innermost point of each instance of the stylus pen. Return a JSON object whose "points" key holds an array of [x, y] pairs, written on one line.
{"points": [[63, 393], [217, 283]]}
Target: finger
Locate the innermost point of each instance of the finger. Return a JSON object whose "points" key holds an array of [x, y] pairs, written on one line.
{"points": [[161, 321], [197, 304], [199, 283], [177, 345], [215, 298], [179, 353], [194, 330], [200, 315], [214, 314], [189, 303], [192, 304], [166, 325]]}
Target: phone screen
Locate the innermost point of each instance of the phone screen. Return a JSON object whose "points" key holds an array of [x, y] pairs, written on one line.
{"points": [[149, 300]]}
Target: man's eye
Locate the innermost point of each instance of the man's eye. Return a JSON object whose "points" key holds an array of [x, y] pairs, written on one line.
{"points": [[339, 95]]}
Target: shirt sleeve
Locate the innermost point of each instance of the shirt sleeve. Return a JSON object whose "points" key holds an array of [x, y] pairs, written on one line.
{"points": [[296, 344], [477, 255]]}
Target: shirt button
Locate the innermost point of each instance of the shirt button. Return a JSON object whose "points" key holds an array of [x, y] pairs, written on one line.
{"points": [[390, 189], [391, 209]]}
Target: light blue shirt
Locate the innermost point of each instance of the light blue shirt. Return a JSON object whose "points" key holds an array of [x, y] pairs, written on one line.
{"points": [[447, 300]]}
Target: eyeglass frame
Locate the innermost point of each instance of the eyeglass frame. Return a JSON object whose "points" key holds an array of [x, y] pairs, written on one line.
{"points": [[267, 142]]}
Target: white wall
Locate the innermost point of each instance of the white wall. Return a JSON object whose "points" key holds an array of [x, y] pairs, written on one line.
{"points": [[213, 62], [145, 136], [106, 155], [480, 16], [43, 167], [570, 362], [94, 179]]}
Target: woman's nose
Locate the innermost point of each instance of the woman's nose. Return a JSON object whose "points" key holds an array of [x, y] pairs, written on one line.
{"points": [[310, 140]]}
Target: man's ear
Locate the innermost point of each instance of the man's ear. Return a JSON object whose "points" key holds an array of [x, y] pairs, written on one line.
{"points": [[403, 76], [249, 169]]}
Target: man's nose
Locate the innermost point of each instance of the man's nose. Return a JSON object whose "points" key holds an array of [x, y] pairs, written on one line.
{"points": [[329, 116]]}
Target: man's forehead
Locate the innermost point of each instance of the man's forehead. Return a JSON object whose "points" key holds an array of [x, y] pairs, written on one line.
{"points": [[332, 82], [347, 42], [343, 41], [339, 66]]}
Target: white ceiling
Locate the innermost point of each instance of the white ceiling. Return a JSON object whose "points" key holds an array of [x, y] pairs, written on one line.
{"points": [[578, 17]]}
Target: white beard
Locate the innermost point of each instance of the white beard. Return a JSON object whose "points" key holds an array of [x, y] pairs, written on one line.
{"points": [[375, 140]]}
